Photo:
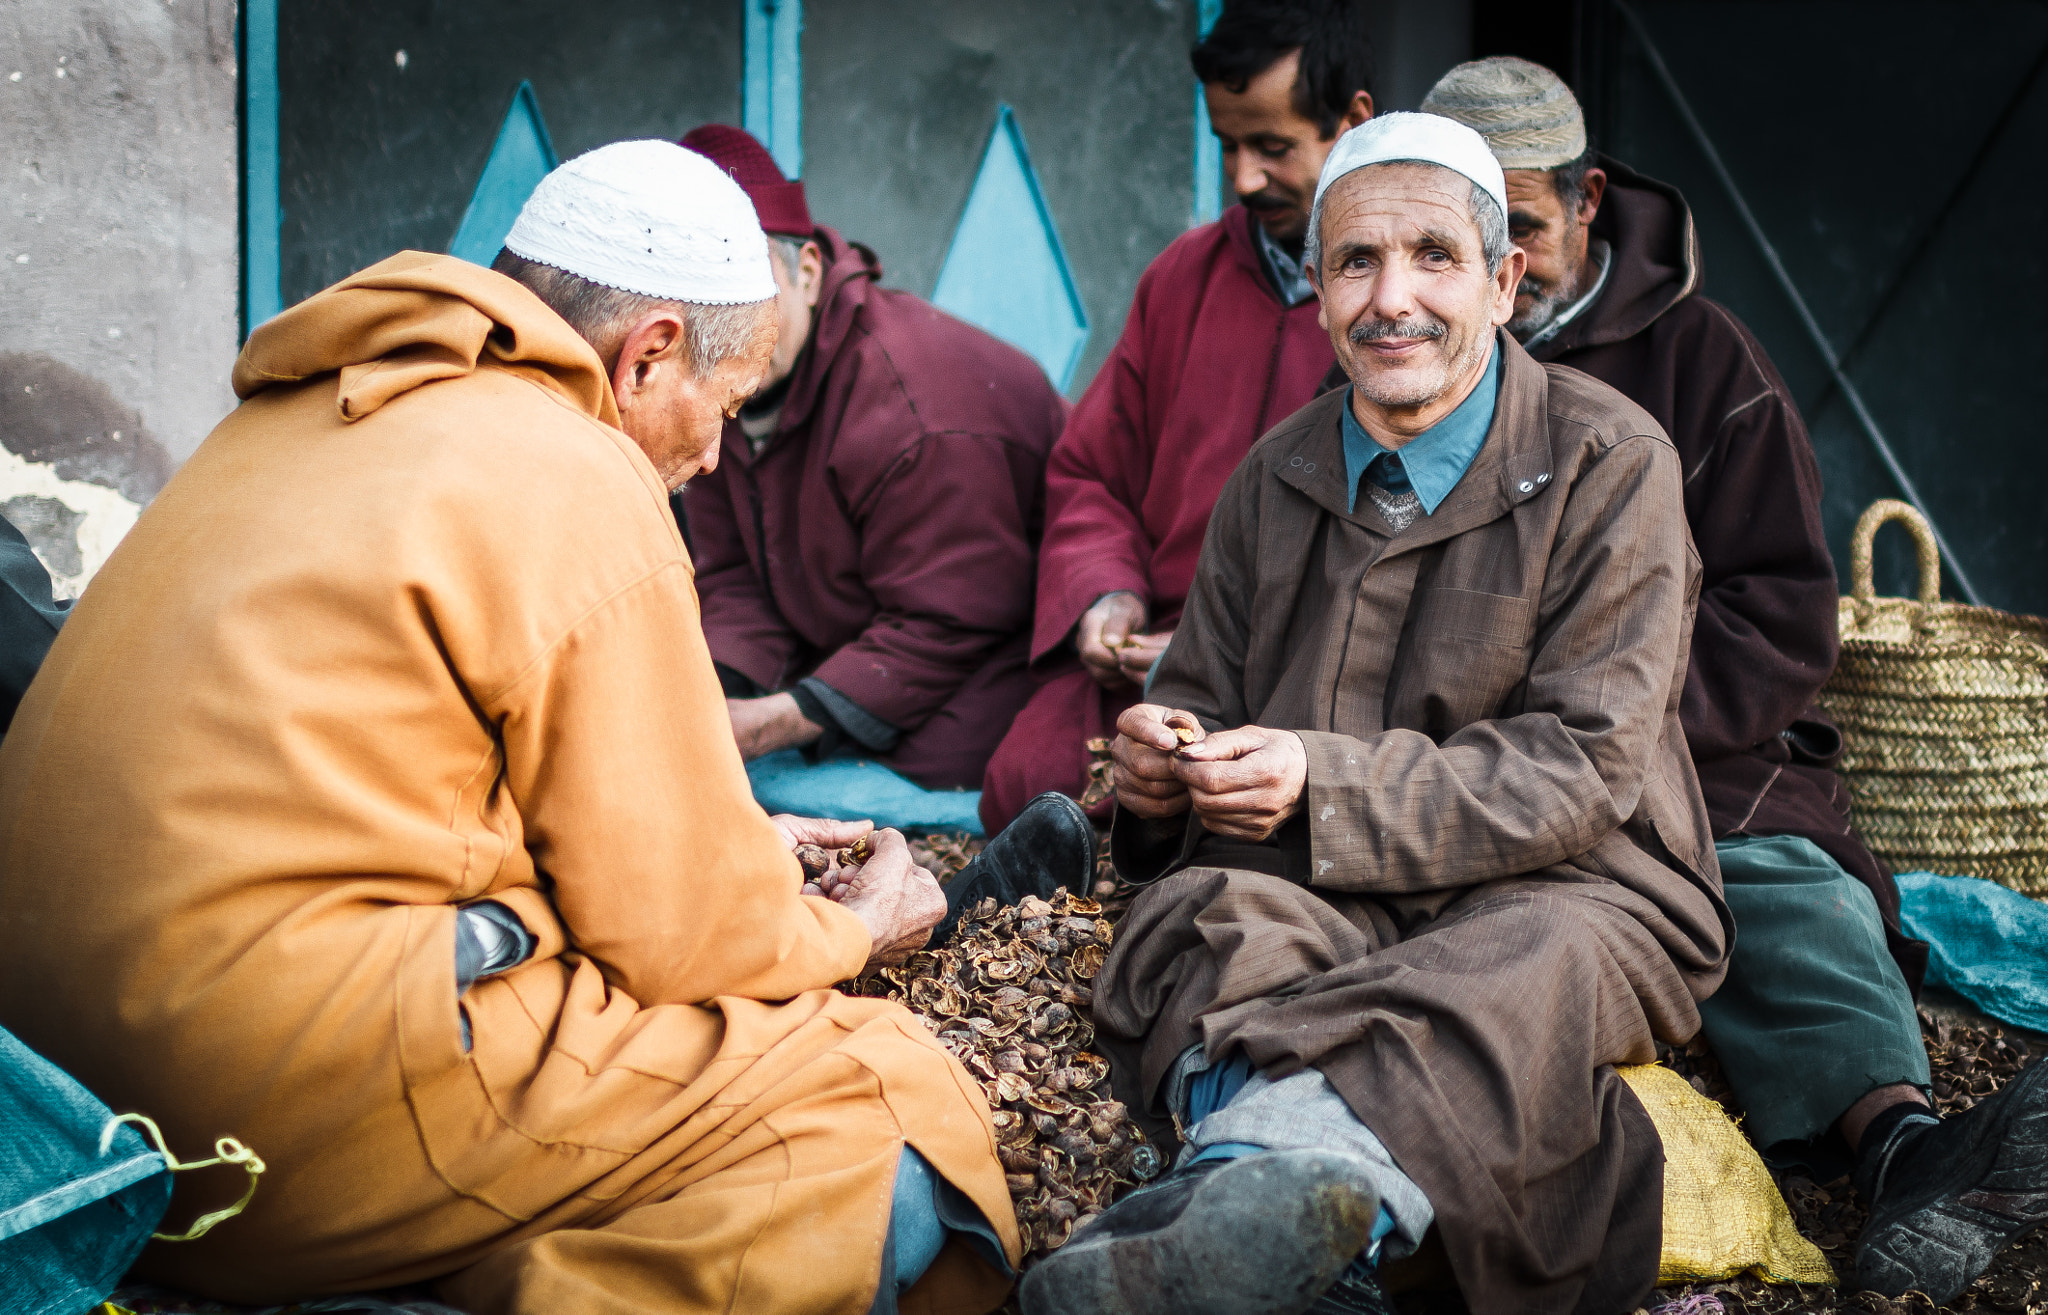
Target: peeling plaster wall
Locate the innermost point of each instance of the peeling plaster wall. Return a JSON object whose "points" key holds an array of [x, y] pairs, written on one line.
{"points": [[119, 238]]}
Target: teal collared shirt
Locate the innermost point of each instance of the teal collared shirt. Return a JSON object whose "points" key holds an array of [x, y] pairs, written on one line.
{"points": [[1435, 460]]}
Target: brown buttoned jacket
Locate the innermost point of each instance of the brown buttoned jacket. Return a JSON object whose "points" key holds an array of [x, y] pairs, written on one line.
{"points": [[1503, 881]]}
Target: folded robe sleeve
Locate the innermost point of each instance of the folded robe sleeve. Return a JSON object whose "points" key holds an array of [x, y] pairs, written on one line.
{"points": [[1397, 813], [665, 871], [1764, 641], [1095, 481]]}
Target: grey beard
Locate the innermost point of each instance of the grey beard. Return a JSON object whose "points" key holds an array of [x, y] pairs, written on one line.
{"points": [[1543, 308], [1466, 360]]}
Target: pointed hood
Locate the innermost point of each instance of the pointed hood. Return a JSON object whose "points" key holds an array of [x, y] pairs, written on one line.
{"points": [[416, 318], [1656, 261]]}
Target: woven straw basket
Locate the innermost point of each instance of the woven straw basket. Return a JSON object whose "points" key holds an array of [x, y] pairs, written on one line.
{"points": [[1944, 717]]}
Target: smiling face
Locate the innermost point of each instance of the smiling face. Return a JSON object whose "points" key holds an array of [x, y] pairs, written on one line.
{"points": [[1406, 297], [1272, 152]]}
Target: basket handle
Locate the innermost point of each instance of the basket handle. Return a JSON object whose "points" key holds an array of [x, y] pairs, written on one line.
{"points": [[1861, 584]]}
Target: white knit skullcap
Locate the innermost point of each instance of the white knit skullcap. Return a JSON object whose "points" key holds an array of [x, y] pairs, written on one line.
{"points": [[1528, 116], [648, 217], [1419, 139]]}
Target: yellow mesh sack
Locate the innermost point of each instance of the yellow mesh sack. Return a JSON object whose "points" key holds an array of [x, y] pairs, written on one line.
{"points": [[1723, 1215]]}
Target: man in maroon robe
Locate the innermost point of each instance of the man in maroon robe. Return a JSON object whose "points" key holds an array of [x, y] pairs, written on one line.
{"points": [[1815, 1025], [1221, 344], [866, 545]]}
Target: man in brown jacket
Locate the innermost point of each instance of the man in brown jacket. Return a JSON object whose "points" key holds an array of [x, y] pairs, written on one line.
{"points": [[1815, 1025], [378, 806], [1435, 860]]}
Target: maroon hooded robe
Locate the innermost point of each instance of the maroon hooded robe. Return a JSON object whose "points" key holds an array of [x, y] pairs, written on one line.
{"points": [[1209, 360], [882, 540], [1764, 640]]}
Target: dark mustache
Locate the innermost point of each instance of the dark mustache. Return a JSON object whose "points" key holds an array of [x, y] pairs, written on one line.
{"points": [[1366, 331]]}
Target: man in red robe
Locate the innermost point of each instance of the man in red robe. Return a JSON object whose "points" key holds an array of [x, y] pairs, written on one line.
{"points": [[864, 548], [1221, 344]]}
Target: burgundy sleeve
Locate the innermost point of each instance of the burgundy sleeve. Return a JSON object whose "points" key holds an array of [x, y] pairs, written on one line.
{"points": [[742, 628], [946, 555], [1764, 639], [1095, 542]]}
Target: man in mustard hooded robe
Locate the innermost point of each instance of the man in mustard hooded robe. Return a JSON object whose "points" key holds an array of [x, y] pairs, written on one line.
{"points": [[411, 636]]}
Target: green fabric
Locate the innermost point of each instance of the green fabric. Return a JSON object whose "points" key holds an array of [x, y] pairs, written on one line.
{"points": [[1814, 1013]]}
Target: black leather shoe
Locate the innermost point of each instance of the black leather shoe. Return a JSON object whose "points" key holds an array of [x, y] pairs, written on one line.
{"points": [[1051, 844], [1946, 1202], [1263, 1234]]}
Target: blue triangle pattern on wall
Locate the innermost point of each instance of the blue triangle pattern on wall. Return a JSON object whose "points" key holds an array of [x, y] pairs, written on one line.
{"points": [[521, 157], [1006, 271]]}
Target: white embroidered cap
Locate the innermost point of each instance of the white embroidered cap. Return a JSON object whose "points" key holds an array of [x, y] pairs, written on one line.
{"points": [[1422, 138], [648, 217]]}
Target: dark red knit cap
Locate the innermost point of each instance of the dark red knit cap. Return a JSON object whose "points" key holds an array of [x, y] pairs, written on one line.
{"points": [[778, 201]]}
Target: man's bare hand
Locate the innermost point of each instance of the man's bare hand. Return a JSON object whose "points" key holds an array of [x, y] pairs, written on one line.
{"points": [[899, 901], [1244, 782], [764, 725], [820, 831], [1104, 630], [1135, 659], [1146, 783]]}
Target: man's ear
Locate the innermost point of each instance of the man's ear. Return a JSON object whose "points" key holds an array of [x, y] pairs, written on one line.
{"points": [[1596, 187], [810, 272], [1357, 112], [1505, 282], [658, 336]]}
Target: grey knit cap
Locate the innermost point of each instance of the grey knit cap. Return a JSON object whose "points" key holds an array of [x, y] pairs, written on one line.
{"points": [[1529, 118]]}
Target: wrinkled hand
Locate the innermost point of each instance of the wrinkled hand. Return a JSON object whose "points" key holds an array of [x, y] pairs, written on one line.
{"points": [[1146, 783], [1103, 630], [766, 724], [1244, 782], [820, 831], [1135, 659], [899, 901]]}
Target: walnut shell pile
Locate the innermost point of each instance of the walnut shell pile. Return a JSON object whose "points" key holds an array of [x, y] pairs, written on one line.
{"points": [[1009, 997]]}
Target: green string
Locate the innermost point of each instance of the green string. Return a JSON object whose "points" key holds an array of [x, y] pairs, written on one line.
{"points": [[225, 1151]]}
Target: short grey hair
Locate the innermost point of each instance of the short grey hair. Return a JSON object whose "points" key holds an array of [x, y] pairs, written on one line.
{"points": [[789, 250], [1486, 213], [601, 315]]}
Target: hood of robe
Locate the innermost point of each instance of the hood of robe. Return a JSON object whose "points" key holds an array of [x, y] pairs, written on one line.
{"points": [[1656, 260], [413, 320]]}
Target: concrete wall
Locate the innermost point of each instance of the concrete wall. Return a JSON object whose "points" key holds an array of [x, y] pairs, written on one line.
{"points": [[119, 244], [900, 97], [379, 153]]}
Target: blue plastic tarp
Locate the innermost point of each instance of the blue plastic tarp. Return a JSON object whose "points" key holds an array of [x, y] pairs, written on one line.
{"points": [[853, 789], [72, 1219], [1990, 944]]}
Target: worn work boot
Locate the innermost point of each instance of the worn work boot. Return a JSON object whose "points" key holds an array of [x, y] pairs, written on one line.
{"points": [[1946, 1199], [1051, 844], [1263, 1234]]}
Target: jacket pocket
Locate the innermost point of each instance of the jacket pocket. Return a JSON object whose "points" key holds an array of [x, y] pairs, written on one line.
{"points": [[1498, 620]]}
